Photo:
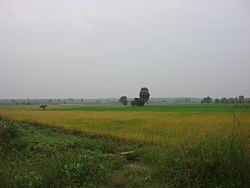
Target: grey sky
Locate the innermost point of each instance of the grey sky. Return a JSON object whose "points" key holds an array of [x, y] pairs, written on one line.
{"points": [[109, 48]]}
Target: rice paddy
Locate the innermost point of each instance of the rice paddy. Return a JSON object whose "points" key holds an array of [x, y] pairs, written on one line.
{"points": [[186, 145], [157, 124]]}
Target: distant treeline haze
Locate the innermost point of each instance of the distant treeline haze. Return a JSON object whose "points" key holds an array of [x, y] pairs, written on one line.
{"points": [[94, 101], [236, 100]]}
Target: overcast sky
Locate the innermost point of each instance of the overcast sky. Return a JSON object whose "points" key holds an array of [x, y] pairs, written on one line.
{"points": [[109, 48]]}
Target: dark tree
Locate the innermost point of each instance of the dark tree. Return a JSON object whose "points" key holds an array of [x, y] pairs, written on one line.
{"points": [[144, 94], [236, 100], [138, 102], [241, 99], [123, 100], [43, 106], [207, 100], [216, 101], [224, 100], [132, 103], [231, 100]]}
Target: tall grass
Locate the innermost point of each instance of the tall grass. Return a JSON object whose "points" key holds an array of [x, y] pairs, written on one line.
{"points": [[8, 131]]}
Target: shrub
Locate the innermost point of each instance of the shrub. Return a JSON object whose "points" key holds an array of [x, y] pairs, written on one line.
{"points": [[8, 131], [74, 169], [85, 171], [31, 180], [114, 162]]}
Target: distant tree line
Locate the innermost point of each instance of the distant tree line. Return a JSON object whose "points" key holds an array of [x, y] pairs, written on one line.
{"points": [[86, 101], [58, 101], [224, 100]]}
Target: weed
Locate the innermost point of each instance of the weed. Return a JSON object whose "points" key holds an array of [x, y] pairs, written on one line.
{"points": [[30, 180], [213, 162], [8, 131]]}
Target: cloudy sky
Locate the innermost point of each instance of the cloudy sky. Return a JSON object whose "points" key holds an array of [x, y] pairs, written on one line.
{"points": [[109, 48]]}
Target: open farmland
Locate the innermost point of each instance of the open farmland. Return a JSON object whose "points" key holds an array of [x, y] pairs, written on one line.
{"points": [[159, 124], [171, 146]]}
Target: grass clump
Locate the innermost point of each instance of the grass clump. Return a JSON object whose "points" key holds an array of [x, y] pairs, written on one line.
{"points": [[85, 172], [8, 131], [212, 162], [30, 180], [74, 170]]}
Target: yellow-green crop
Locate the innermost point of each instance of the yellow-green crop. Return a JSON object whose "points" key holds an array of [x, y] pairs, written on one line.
{"points": [[141, 126]]}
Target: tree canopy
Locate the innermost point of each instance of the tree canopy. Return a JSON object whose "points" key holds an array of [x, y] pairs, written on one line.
{"points": [[144, 96], [43, 106], [123, 100]]}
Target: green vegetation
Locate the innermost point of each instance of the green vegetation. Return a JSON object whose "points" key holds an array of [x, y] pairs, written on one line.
{"points": [[165, 128], [163, 108], [42, 157], [44, 106], [35, 156], [123, 100], [144, 96]]}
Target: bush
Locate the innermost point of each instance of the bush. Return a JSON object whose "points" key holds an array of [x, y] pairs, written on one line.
{"points": [[31, 180], [114, 162], [86, 171], [74, 169], [8, 131]]}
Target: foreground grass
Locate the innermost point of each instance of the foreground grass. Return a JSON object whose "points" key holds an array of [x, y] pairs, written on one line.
{"points": [[42, 157], [34, 156]]}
